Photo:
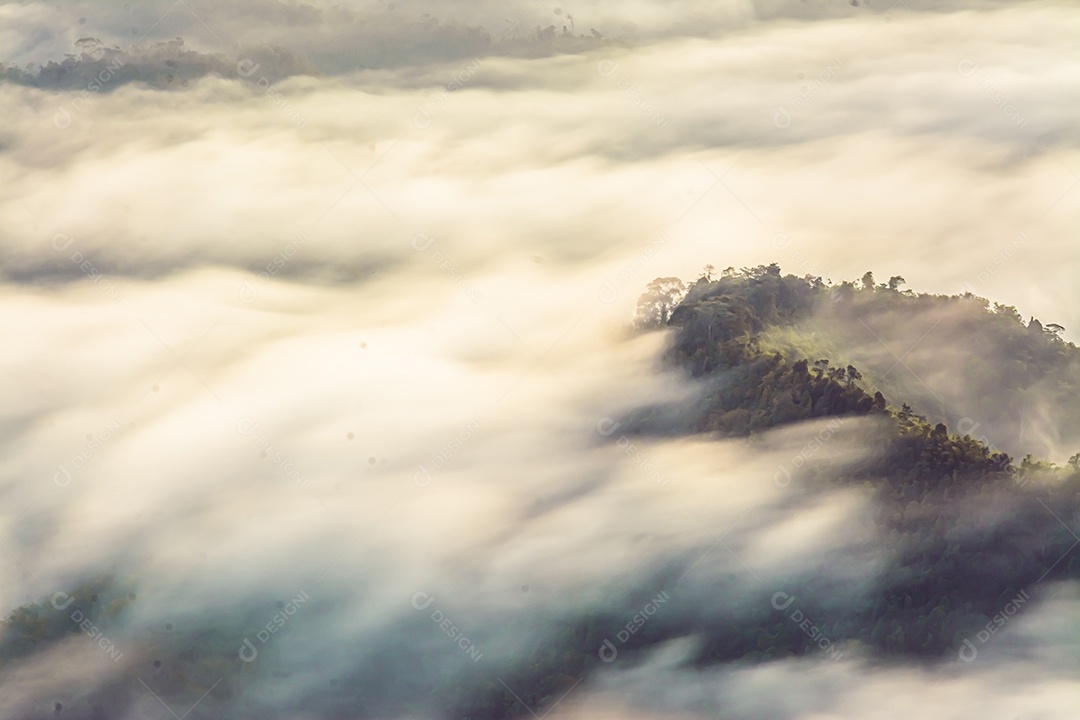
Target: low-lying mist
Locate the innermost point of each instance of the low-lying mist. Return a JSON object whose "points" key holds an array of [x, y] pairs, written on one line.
{"points": [[323, 393]]}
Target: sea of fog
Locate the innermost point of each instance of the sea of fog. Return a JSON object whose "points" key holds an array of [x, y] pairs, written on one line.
{"points": [[355, 345]]}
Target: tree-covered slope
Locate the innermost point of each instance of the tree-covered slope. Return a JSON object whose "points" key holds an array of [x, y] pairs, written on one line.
{"points": [[956, 359]]}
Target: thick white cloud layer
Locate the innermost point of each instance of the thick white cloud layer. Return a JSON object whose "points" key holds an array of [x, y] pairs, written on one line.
{"points": [[993, 686], [351, 333]]}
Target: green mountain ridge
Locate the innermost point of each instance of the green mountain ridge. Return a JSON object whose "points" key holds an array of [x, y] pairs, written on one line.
{"points": [[790, 349]]}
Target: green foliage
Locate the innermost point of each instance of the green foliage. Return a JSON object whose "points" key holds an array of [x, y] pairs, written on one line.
{"points": [[724, 326], [660, 298], [32, 626], [740, 331]]}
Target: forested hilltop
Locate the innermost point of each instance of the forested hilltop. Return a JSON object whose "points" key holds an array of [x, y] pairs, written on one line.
{"points": [[793, 348], [960, 529], [757, 340]]}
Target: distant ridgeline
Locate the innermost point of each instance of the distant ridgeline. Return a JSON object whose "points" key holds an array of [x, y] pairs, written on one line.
{"points": [[965, 539]]}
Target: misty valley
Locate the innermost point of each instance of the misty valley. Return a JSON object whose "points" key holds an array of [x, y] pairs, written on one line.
{"points": [[965, 538], [532, 360]]}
